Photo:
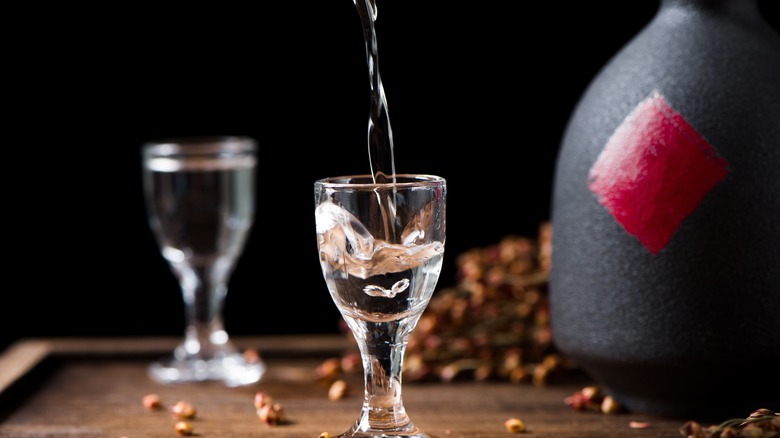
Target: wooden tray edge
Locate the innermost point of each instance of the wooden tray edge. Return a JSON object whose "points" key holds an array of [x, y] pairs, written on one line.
{"points": [[24, 355], [20, 358]]}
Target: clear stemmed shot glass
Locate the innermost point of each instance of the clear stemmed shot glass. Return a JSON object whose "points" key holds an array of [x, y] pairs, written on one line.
{"points": [[200, 201], [381, 248]]}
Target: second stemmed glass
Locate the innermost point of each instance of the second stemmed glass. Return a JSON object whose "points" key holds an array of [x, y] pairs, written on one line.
{"points": [[381, 248], [200, 200]]}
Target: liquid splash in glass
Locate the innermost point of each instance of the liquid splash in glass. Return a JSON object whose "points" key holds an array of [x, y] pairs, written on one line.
{"points": [[371, 278]]}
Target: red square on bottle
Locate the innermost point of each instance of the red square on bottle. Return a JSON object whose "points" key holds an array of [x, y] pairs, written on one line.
{"points": [[654, 171]]}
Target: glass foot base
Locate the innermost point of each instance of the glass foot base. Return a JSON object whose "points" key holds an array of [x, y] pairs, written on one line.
{"points": [[232, 370], [409, 431], [351, 434]]}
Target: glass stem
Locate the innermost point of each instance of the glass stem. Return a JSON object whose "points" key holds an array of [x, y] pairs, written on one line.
{"points": [[203, 289], [382, 346]]}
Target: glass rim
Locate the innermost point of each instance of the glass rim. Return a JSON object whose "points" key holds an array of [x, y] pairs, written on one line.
{"points": [[200, 145], [414, 180]]}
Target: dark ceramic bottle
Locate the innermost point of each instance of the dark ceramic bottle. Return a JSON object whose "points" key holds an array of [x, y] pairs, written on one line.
{"points": [[665, 281]]}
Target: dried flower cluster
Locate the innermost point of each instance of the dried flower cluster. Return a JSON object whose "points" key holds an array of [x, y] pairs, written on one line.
{"points": [[494, 324], [761, 423]]}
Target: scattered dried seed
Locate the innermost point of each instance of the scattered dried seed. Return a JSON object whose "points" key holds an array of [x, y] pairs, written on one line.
{"points": [[483, 372], [251, 356], [183, 410], [591, 393], [514, 425], [588, 398], [151, 401], [609, 405], [271, 414], [638, 424], [519, 374], [576, 401], [325, 435], [540, 375], [459, 370], [690, 428], [351, 363], [262, 398], [329, 369], [183, 428], [338, 390]]}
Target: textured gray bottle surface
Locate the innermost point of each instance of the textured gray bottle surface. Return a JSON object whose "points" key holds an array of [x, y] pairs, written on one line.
{"points": [[696, 326]]}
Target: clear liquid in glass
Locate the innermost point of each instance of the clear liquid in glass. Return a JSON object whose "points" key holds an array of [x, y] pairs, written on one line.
{"points": [[373, 280], [202, 212]]}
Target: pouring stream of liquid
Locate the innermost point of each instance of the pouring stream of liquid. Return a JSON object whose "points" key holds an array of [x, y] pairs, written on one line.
{"points": [[380, 135]]}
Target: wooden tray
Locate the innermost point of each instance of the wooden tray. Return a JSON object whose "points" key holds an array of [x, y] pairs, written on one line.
{"points": [[93, 388]]}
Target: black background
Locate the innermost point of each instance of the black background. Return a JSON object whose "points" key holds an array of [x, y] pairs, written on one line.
{"points": [[478, 92]]}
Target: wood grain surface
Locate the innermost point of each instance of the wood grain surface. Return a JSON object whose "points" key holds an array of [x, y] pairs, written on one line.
{"points": [[94, 387]]}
